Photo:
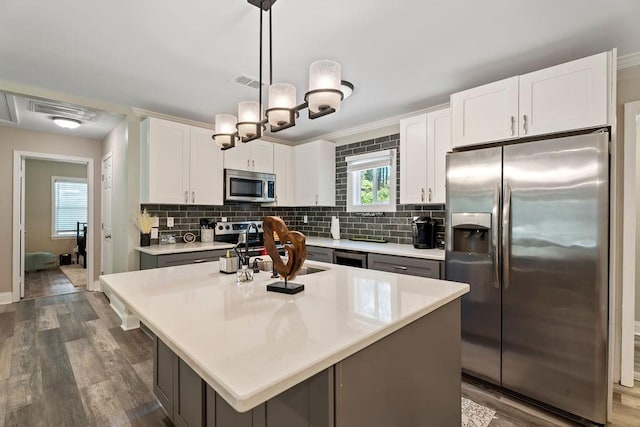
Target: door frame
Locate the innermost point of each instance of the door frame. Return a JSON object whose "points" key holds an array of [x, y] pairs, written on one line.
{"points": [[629, 236], [18, 200], [102, 199]]}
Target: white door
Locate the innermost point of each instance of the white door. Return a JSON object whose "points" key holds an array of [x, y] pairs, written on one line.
{"points": [[238, 157], [485, 113], [22, 230], [168, 162], [564, 97], [283, 169], [205, 169], [106, 257], [413, 159], [261, 156], [438, 144]]}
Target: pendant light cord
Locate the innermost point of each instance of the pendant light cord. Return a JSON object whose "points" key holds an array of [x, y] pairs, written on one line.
{"points": [[270, 49], [260, 62]]}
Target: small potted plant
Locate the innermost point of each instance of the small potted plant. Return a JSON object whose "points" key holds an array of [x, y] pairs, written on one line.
{"points": [[145, 222]]}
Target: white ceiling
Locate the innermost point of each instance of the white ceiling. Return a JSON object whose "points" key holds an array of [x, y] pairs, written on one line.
{"points": [[179, 58]]}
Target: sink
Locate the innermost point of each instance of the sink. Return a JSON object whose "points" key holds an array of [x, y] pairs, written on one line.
{"points": [[306, 269]]}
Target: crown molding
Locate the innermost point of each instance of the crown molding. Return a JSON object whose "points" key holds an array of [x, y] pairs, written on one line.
{"points": [[368, 127], [628, 61]]}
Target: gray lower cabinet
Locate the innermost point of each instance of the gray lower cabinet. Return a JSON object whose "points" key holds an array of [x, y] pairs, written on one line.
{"points": [[164, 362], [320, 254], [189, 394], [148, 261], [403, 265]]}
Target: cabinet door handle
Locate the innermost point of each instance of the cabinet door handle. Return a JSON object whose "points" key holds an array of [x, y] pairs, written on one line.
{"points": [[524, 124], [193, 197], [316, 199], [276, 199], [430, 193], [248, 164], [253, 163], [186, 196], [513, 126], [422, 194], [399, 267]]}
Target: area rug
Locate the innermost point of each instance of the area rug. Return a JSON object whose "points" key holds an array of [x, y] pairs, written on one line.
{"points": [[76, 274], [475, 415]]}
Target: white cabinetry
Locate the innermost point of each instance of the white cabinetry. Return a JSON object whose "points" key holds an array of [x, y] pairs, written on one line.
{"points": [[284, 169], [424, 142], [254, 156], [315, 174], [569, 96], [179, 164]]}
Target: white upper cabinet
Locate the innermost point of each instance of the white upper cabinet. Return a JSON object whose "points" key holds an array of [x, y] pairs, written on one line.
{"points": [[438, 145], [569, 96], [424, 141], [485, 113], [179, 164], [315, 174], [256, 156], [283, 168], [413, 159], [565, 97]]}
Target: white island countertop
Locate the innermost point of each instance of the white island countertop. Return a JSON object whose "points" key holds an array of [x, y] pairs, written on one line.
{"points": [[176, 248], [250, 345], [377, 248]]}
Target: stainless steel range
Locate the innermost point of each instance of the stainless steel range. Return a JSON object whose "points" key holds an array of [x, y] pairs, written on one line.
{"points": [[235, 232]]}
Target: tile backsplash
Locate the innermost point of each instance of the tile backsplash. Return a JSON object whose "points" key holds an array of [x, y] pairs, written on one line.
{"points": [[395, 227]]}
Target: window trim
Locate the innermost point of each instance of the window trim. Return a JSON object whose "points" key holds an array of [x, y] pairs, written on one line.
{"points": [[54, 179], [375, 158]]}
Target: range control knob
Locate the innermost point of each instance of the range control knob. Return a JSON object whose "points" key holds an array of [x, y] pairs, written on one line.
{"points": [[220, 227], [227, 227]]}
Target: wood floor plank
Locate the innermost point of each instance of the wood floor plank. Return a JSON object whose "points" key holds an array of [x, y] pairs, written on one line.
{"points": [[7, 324], [25, 383], [85, 363], [101, 338], [25, 310], [6, 349], [47, 318], [4, 392], [144, 370], [59, 388], [129, 342], [24, 335], [100, 304], [83, 310], [148, 415], [131, 391], [71, 327], [102, 405]]}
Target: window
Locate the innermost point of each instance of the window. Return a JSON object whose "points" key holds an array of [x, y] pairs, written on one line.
{"points": [[69, 205], [371, 182]]}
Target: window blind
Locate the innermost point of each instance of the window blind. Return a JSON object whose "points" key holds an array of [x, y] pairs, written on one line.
{"points": [[363, 162], [70, 206]]}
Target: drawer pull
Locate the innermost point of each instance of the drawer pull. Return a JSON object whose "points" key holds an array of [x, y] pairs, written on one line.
{"points": [[198, 261], [399, 267]]}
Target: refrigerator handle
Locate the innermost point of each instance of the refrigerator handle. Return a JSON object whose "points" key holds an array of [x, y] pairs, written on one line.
{"points": [[494, 237], [506, 236]]}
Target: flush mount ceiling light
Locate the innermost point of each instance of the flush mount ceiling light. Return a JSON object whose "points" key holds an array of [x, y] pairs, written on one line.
{"points": [[66, 123], [325, 95]]}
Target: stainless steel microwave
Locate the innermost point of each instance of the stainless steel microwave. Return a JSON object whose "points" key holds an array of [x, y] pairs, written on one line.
{"points": [[246, 186]]}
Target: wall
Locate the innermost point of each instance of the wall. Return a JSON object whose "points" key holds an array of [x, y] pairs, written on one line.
{"points": [[628, 91], [23, 140], [38, 212], [392, 226]]}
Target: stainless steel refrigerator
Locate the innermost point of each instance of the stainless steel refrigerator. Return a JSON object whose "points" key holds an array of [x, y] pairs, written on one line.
{"points": [[528, 229]]}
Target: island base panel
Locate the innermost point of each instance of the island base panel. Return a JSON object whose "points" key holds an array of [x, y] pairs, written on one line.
{"points": [[409, 378]]}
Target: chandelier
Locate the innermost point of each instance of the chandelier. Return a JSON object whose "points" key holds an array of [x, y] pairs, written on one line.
{"points": [[325, 95]]}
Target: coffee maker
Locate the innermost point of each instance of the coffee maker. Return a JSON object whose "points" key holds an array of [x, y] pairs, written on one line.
{"points": [[424, 232]]}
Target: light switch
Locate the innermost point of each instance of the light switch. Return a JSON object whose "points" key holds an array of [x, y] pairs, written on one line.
{"points": [[305, 219], [169, 221]]}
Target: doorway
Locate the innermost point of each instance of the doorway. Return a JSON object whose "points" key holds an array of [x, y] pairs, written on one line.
{"points": [[57, 232]]}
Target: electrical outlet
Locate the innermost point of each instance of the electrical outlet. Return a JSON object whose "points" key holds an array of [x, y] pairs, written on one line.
{"points": [[169, 221], [156, 224], [305, 219], [154, 233], [223, 219]]}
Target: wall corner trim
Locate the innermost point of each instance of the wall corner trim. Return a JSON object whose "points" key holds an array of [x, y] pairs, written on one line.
{"points": [[6, 298]]}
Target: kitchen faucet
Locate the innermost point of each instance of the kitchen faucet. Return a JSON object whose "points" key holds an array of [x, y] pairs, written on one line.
{"points": [[245, 259]]}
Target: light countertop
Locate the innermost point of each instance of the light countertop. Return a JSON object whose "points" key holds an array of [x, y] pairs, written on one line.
{"points": [[250, 345], [378, 248], [176, 248]]}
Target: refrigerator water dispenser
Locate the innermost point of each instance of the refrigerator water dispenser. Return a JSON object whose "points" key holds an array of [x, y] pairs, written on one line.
{"points": [[471, 232]]}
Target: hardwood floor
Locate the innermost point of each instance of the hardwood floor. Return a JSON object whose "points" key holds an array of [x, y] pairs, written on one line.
{"points": [[64, 361], [46, 283]]}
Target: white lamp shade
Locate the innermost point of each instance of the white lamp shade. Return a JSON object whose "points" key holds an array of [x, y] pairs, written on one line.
{"points": [[66, 123], [281, 95], [248, 111], [324, 74], [225, 128]]}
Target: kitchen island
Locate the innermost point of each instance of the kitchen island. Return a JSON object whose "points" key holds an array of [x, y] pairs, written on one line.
{"points": [[357, 347]]}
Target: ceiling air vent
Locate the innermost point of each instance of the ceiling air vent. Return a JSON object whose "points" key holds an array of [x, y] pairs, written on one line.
{"points": [[64, 110], [245, 80], [8, 109]]}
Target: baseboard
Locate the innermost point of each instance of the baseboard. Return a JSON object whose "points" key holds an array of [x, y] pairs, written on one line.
{"points": [[636, 328], [6, 297]]}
